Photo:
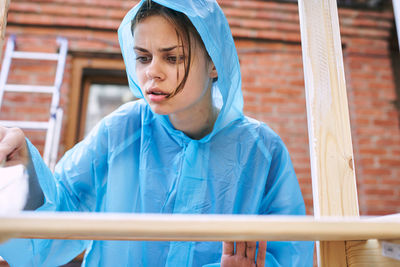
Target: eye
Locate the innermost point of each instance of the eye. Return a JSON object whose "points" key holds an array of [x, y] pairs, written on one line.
{"points": [[143, 59], [175, 59], [171, 59]]}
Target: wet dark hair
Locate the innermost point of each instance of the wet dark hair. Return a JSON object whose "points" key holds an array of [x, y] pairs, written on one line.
{"points": [[184, 30]]}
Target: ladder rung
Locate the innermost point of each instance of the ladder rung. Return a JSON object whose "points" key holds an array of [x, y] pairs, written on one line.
{"points": [[27, 125], [29, 88], [35, 55]]}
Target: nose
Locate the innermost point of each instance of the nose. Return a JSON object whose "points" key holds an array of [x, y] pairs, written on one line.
{"points": [[154, 70]]}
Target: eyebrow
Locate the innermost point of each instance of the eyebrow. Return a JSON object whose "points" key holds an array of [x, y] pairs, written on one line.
{"points": [[166, 49]]}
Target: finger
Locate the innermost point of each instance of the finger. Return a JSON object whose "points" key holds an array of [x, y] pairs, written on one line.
{"points": [[228, 248], [2, 132], [2, 157], [12, 141], [16, 158], [262, 249], [241, 249], [5, 150], [251, 251]]}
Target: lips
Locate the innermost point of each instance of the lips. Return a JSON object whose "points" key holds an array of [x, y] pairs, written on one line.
{"points": [[156, 91], [157, 95]]}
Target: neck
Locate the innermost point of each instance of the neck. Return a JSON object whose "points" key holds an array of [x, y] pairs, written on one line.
{"points": [[199, 121]]}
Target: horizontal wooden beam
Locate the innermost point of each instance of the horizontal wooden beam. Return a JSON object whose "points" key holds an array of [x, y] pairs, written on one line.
{"points": [[108, 226]]}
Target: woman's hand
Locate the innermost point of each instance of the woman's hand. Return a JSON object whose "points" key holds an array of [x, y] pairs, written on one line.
{"points": [[245, 254], [13, 148]]}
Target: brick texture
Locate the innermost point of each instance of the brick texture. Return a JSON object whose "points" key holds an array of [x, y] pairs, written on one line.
{"points": [[268, 41]]}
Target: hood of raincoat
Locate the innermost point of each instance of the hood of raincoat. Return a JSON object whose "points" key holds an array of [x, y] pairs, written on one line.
{"points": [[210, 22]]}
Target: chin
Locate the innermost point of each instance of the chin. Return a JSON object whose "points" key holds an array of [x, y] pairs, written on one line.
{"points": [[160, 111]]}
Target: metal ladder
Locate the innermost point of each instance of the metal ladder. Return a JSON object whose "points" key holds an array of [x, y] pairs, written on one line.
{"points": [[53, 125]]}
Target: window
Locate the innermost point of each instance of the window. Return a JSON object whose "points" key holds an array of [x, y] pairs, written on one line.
{"points": [[99, 86], [102, 100]]}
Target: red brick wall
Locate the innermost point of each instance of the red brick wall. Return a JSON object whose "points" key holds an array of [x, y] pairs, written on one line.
{"points": [[274, 91], [268, 41]]}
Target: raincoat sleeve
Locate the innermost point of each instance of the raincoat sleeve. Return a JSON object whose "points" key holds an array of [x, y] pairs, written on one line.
{"points": [[73, 187], [282, 196]]}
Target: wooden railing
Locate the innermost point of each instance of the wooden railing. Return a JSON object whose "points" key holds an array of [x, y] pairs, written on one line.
{"points": [[123, 226]]}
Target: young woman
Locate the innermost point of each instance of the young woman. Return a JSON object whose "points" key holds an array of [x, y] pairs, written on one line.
{"points": [[186, 147]]}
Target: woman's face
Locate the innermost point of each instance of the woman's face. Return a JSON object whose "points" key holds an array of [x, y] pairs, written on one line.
{"points": [[160, 68]]}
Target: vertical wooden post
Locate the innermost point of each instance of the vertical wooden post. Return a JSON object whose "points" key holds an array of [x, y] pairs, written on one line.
{"points": [[3, 22], [331, 152]]}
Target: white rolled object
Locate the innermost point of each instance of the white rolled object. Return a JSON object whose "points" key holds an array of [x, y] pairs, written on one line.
{"points": [[14, 189]]}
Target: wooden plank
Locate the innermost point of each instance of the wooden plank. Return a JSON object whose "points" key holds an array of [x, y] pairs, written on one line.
{"points": [[4, 4], [369, 254], [111, 226], [331, 152]]}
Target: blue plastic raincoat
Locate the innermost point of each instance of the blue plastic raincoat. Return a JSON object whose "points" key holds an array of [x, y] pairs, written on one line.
{"points": [[135, 161]]}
